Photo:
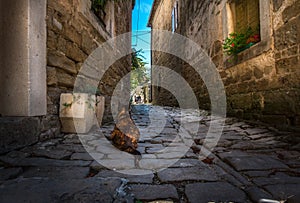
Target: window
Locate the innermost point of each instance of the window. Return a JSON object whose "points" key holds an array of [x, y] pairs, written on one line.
{"points": [[98, 6], [246, 23], [175, 17], [104, 10], [240, 16], [246, 15], [85, 8]]}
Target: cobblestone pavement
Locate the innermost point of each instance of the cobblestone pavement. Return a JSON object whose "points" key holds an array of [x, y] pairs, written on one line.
{"points": [[249, 163]]}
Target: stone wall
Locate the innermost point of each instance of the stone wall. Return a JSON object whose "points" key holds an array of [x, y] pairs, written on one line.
{"points": [[287, 61], [262, 83], [74, 32], [162, 20]]}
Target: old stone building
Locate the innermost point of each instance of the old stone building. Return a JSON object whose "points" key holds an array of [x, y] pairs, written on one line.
{"points": [[43, 46], [261, 80]]}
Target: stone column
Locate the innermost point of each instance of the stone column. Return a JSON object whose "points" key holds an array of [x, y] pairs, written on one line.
{"points": [[23, 58], [22, 72]]}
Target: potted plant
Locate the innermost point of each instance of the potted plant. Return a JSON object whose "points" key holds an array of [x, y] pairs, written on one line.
{"points": [[80, 111], [237, 42]]}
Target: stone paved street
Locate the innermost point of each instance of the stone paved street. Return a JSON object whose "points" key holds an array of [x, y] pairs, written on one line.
{"points": [[250, 162]]}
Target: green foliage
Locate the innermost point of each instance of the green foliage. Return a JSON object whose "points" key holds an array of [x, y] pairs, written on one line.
{"points": [[139, 72], [239, 41], [76, 99], [66, 105], [90, 101], [137, 59]]}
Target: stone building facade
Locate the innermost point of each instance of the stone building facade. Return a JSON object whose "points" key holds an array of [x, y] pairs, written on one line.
{"points": [[261, 82], [43, 46]]}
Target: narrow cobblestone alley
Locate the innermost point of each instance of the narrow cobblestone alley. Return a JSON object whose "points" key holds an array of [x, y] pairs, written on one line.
{"points": [[250, 162], [69, 70]]}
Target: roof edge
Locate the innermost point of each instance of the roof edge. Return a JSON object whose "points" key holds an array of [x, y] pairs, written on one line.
{"points": [[153, 11]]}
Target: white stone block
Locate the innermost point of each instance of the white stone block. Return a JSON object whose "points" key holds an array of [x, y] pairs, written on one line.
{"points": [[77, 112]]}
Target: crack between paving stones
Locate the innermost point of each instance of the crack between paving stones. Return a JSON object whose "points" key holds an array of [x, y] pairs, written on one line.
{"points": [[244, 183]]}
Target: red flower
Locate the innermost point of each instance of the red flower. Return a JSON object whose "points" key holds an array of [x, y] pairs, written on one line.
{"points": [[232, 44]]}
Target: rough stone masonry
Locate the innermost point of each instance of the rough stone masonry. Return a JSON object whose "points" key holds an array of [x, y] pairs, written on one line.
{"points": [[262, 82]]}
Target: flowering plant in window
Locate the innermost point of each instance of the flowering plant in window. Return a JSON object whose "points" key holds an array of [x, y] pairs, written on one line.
{"points": [[239, 41], [253, 39]]}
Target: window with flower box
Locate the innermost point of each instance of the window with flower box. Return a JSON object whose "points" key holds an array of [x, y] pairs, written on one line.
{"points": [[247, 30], [246, 26]]}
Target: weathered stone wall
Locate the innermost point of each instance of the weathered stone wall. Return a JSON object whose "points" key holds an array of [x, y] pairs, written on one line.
{"points": [[287, 61], [74, 32], [162, 20], [262, 83]]}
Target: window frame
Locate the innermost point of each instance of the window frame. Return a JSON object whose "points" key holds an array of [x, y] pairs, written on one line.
{"points": [[265, 33], [84, 8], [100, 13], [107, 20], [235, 13], [175, 18]]}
